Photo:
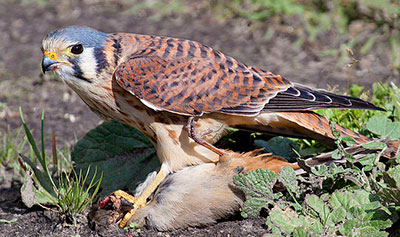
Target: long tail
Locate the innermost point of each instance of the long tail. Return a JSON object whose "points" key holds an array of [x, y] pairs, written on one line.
{"points": [[302, 98], [302, 125], [321, 127]]}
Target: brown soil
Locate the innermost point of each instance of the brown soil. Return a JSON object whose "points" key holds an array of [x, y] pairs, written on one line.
{"points": [[21, 84]]}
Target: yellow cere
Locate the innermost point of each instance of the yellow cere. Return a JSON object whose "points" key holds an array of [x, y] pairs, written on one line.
{"points": [[68, 52], [51, 55]]}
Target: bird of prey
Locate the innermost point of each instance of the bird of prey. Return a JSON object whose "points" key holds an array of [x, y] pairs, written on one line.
{"points": [[182, 94]]}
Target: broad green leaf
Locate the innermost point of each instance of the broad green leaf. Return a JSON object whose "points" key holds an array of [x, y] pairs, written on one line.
{"points": [[363, 197], [287, 220], [370, 231], [347, 228], [348, 140], [392, 176], [380, 224], [336, 154], [279, 146], [348, 199], [357, 212], [275, 230], [122, 153], [337, 215], [368, 160], [300, 232], [382, 126], [287, 177], [314, 202], [317, 227], [374, 145], [322, 170], [257, 186]]}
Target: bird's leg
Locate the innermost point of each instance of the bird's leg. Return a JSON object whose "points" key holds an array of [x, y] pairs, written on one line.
{"points": [[209, 131], [139, 202], [191, 126]]}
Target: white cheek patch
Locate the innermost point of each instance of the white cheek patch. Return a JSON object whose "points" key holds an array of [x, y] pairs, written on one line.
{"points": [[65, 73], [88, 63]]}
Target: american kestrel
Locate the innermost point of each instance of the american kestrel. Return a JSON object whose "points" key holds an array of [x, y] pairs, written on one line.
{"points": [[182, 94]]}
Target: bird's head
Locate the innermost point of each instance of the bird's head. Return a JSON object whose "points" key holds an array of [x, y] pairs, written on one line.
{"points": [[74, 53]]}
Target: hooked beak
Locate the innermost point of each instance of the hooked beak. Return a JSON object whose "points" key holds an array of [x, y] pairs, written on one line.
{"points": [[48, 64]]}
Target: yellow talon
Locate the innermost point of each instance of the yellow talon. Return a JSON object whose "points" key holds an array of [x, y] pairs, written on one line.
{"points": [[139, 202], [127, 196]]}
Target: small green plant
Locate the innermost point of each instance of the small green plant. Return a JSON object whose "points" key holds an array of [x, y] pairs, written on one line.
{"points": [[68, 192], [133, 225], [341, 213], [10, 145], [72, 194]]}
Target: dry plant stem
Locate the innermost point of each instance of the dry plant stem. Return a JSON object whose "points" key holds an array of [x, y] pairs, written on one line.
{"points": [[48, 208]]}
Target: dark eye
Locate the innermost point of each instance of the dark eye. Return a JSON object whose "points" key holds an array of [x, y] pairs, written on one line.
{"points": [[77, 49]]}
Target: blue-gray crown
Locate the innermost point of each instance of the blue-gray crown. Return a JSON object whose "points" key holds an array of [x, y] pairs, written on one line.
{"points": [[87, 36]]}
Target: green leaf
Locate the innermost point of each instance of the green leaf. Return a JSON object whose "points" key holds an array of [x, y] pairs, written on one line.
{"points": [[357, 212], [347, 228], [8, 221], [368, 160], [374, 145], [30, 138], [382, 126], [380, 224], [258, 188], [322, 170], [287, 176], [392, 176], [348, 140], [317, 227], [336, 154], [120, 152], [300, 232], [337, 215], [390, 189], [279, 146], [314, 202], [287, 220]]}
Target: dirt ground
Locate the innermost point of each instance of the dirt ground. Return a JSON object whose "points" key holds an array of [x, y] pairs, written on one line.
{"points": [[22, 26]]}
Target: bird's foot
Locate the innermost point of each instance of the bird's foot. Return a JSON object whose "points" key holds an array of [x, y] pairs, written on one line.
{"points": [[123, 203], [190, 127], [127, 204], [127, 196], [209, 131]]}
